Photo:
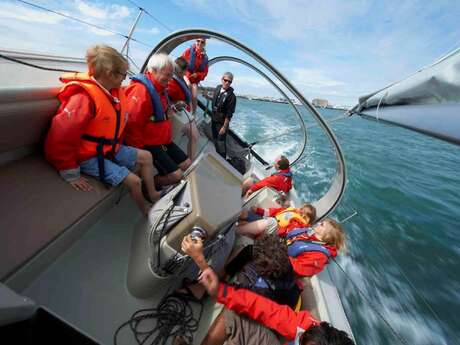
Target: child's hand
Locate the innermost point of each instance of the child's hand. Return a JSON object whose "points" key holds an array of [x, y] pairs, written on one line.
{"points": [[210, 281], [191, 247]]}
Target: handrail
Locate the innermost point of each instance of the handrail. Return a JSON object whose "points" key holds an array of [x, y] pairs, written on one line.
{"points": [[267, 78], [327, 203]]}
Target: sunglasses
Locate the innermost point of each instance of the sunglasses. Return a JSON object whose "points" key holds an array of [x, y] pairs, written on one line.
{"points": [[201, 41], [227, 81]]}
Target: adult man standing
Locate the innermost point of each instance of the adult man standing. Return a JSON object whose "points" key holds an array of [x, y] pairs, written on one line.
{"points": [[223, 107]]}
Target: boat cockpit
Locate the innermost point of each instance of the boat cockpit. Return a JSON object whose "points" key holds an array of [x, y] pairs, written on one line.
{"points": [[87, 261]]}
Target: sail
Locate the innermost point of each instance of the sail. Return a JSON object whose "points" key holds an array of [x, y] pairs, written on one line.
{"points": [[427, 101]]}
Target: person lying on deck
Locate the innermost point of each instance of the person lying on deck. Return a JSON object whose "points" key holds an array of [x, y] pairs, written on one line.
{"points": [[266, 269], [278, 220], [309, 247], [85, 135], [250, 318], [281, 180]]}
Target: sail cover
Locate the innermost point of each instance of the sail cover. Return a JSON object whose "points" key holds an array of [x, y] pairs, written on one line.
{"points": [[427, 101]]}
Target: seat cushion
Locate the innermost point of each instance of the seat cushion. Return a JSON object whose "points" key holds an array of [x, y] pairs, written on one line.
{"points": [[36, 206]]}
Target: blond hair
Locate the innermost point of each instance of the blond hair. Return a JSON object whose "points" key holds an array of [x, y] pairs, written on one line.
{"points": [[308, 212], [334, 235], [101, 58]]}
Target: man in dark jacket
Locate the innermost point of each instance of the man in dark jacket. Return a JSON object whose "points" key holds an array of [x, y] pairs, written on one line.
{"points": [[223, 107]]}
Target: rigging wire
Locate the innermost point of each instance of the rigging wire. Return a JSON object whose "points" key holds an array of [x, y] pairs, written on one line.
{"points": [[83, 22], [395, 263], [373, 306], [419, 294], [151, 15]]}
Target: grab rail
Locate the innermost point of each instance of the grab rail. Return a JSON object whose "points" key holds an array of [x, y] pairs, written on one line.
{"points": [[327, 203]]}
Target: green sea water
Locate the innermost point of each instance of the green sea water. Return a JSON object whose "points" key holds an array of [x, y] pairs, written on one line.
{"points": [[404, 252]]}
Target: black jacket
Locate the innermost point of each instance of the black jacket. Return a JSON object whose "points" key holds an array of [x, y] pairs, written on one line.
{"points": [[223, 104]]}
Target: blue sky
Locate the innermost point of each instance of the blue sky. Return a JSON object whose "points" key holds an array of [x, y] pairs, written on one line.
{"points": [[338, 50]]}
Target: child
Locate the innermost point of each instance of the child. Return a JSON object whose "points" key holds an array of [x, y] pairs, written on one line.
{"points": [[279, 219], [281, 180], [269, 271], [309, 249], [262, 315]]}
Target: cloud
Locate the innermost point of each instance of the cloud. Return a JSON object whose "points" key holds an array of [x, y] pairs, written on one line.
{"points": [[313, 78], [103, 12], [151, 31], [23, 13], [100, 32]]}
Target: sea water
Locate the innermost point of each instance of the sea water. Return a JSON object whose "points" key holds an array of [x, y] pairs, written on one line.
{"points": [[402, 270]]}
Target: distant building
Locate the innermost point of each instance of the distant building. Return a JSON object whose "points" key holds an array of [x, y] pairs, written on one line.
{"points": [[320, 103]]}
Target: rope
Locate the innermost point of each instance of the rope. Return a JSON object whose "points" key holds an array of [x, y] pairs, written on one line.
{"points": [[82, 21], [373, 306], [35, 66], [174, 316], [378, 105]]}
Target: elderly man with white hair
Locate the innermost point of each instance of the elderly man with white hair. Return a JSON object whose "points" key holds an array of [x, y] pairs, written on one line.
{"points": [[149, 125]]}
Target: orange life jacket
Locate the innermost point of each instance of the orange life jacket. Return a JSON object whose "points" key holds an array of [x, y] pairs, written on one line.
{"points": [[102, 135], [285, 217]]}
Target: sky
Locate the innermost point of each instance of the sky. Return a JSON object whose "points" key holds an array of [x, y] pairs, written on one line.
{"points": [[333, 49]]}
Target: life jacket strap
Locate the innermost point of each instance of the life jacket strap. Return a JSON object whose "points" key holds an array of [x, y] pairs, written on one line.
{"points": [[298, 247], [101, 141], [159, 114], [285, 174], [298, 231]]}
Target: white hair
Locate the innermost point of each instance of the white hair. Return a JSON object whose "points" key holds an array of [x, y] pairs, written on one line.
{"points": [[228, 74], [159, 61]]}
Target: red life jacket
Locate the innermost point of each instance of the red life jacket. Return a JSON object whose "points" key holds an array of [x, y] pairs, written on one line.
{"points": [[192, 64], [102, 135]]}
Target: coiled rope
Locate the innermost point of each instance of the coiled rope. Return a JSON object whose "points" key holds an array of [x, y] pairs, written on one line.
{"points": [[172, 317]]}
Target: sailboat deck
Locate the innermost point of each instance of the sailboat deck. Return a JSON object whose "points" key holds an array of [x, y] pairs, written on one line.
{"points": [[86, 286]]}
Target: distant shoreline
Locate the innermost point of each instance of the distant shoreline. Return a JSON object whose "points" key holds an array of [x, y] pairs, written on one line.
{"points": [[279, 101]]}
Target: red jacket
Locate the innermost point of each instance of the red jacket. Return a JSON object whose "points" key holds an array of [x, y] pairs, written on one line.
{"points": [[310, 263], [63, 141], [199, 76], [306, 264], [175, 93], [141, 131], [279, 318], [277, 181]]}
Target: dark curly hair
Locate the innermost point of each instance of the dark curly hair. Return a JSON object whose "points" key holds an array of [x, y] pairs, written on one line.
{"points": [[270, 257], [325, 334]]}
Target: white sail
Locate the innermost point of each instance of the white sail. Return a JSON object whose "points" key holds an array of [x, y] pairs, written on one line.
{"points": [[427, 101]]}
